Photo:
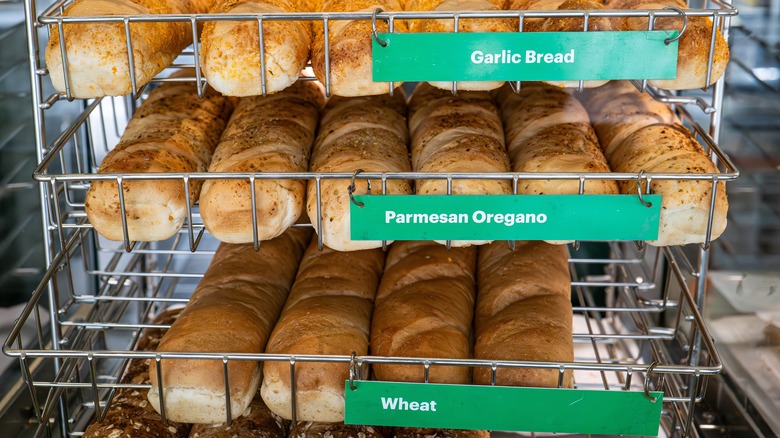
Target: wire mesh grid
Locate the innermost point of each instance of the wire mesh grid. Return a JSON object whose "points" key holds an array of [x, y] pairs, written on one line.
{"points": [[71, 162], [626, 323], [716, 10]]}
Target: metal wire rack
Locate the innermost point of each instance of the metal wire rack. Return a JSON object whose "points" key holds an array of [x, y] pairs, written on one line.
{"points": [[647, 333], [636, 331], [717, 10]]}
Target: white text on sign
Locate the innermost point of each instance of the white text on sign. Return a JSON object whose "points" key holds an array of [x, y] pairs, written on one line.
{"points": [[399, 404], [531, 57]]}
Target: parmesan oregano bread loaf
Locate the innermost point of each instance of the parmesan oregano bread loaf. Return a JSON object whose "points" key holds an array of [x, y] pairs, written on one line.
{"points": [[693, 48], [173, 131], [265, 134], [230, 50], [464, 25], [233, 310], [367, 133], [548, 130], [328, 312], [424, 308], [460, 133], [523, 312], [97, 56], [640, 134], [350, 48]]}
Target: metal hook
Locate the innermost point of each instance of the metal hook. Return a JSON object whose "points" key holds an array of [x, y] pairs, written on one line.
{"points": [[647, 382], [684, 26], [639, 188], [351, 189], [373, 28], [352, 365]]}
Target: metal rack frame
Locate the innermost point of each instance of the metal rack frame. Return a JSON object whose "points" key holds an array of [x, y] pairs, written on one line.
{"points": [[145, 276], [614, 345]]}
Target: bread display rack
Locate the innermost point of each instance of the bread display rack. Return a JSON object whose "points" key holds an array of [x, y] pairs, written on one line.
{"points": [[649, 335]]}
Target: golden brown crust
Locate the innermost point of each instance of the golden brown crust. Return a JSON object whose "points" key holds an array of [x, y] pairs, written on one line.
{"points": [[97, 57], [641, 134], [232, 310], [424, 308], [694, 45], [174, 131], [523, 312], [548, 130], [271, 134], [350, 48], [367, 133], [230, 50], [328, 312], [460, 133]]}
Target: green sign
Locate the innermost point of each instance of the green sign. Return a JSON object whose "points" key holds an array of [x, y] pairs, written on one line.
{"points": [[525, 56], [502, 408], [504, 217]]}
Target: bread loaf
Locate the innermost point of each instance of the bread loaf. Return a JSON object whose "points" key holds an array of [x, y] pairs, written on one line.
{"points": [[564, 24], [97, 57], [129, 413], [424, 308], [617, 110], [265, 134], [350, 48], [685, 209], [308, 429], [232, 310], [523, 312], [548, 130], [464, 25], [639, 134], [173, 131], [259, 422], [328, 313], [230, 50], [460, 133], [367, 133], [693, 46]]}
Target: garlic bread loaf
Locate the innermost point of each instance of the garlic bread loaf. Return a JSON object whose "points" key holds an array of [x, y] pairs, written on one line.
{"points": [[523, 312], [232, 310], [328, 312], [464, 25], [367, 133], [350, 48], [230, 50], [265, 134], [97, 55], [173, 131], [424, 308], [564, 24], [693, 47]]}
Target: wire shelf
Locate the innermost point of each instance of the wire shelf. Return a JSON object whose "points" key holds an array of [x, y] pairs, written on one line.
{"points": [[716, 10], [625, 322]]}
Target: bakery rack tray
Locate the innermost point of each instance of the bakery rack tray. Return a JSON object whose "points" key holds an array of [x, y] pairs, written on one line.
{"points": [[717, 10], [634, 312], [71, 160]]}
